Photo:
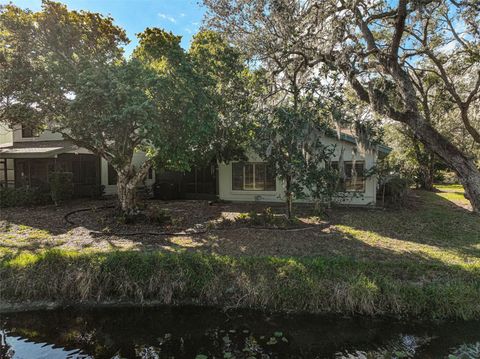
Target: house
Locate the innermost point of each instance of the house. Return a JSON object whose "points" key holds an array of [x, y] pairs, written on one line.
{"points": [[253, 181], [27, 158]]}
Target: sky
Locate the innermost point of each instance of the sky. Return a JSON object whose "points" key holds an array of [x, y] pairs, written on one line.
{"points": [[182, 17]]}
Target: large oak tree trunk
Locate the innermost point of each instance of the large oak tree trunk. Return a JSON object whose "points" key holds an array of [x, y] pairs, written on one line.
{"points": [[465, 167]]}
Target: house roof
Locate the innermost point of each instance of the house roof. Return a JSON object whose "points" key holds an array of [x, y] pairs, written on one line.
{"points": [[35, 149]]}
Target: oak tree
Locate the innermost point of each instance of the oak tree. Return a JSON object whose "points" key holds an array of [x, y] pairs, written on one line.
{"points": [[381, 49]]}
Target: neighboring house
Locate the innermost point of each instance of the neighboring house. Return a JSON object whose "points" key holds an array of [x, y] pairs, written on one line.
{"points": [[27, 158]]}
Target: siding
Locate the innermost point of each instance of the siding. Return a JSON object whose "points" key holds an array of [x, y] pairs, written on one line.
{"points": [[367, 198], [6, 135], [44, 136]]}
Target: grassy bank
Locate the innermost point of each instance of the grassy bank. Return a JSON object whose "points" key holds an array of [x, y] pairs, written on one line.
{"points": [[420, 261], [293, 284]]}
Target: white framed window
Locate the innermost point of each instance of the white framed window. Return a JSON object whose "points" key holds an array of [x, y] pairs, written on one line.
{"points": [[252, 176], [354, 180]]}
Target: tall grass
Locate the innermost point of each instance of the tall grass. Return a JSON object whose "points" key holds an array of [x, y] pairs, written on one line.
{"points": [[340, 285]]}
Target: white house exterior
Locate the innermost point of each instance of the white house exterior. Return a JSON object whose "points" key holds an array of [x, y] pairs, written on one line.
{"points": [[362, 192], [26, 158]]}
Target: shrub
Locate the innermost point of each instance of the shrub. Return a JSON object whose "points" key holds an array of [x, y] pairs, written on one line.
{"points": [[265, 218], [97, 191], [394, 191], [158, 215], [61, 186], [268, 215], [23, 196], [446, 177]]}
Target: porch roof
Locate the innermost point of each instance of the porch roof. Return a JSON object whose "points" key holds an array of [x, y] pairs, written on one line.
{"points": [[35, 149]]}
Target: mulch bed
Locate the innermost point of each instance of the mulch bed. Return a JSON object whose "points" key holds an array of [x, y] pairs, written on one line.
{"points": [[219, 227]]}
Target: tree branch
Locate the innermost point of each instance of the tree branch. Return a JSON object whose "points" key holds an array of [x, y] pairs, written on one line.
{"points": [[399, 28]]}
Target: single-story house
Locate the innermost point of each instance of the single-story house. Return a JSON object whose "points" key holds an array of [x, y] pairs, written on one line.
{"points": [[27, 158], [253, 181]]}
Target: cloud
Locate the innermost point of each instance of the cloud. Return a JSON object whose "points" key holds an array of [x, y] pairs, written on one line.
{"points": [[167, 17], [182, 14]]}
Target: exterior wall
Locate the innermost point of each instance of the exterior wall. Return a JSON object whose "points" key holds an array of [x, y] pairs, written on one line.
{"points": [[226, 192], [366, 198], [138, 159], [6, 134], [44, 136]]}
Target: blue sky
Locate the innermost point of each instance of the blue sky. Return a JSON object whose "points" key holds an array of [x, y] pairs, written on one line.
{"points": [[182, 17]]}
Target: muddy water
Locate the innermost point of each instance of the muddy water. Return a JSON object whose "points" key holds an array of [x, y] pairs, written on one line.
{"points": [[192, 332]]}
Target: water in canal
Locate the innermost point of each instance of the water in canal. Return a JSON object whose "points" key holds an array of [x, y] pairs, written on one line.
{"points": [[199, 333]]}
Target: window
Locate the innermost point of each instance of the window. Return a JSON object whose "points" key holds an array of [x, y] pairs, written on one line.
{"points": [[252, 177], [29, 131], [354, 177], [150, 173], [354, 180], [112, 175]]}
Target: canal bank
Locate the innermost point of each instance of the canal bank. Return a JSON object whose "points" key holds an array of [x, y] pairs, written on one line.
{"points": [[314, 285]]}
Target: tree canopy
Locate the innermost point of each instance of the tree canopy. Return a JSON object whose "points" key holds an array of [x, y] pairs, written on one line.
{"points": [[65, 70], [229, 86], [383, 50]]}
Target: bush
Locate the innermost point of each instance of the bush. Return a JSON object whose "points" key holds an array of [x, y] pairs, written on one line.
{"points": [[98, 191], [446, 177], [158, 215], [265, 218], [394, 191], [23, 196], [91, 191], [61, 186]]}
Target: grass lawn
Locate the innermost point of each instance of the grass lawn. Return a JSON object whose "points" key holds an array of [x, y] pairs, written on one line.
{"points": [[423, 260], [454, 193]]}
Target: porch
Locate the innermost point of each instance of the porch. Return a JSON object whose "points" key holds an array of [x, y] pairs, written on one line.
{"points": [[200, 183], [30, 165]]}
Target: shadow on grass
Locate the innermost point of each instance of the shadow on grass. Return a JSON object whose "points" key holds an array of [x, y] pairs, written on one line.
{"points": [[358, 233], [432, 221]]}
